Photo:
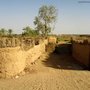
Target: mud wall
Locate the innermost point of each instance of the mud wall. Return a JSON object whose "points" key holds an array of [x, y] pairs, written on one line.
{"points": [[13, 60], [52, 39], [81, 52], [34, 53], [16, 41]]}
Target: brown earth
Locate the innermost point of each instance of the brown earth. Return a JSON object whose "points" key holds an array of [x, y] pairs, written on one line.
{"points": [[50, 72]]}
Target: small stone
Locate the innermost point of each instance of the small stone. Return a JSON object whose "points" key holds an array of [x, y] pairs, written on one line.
{"points": [[16, 77]]}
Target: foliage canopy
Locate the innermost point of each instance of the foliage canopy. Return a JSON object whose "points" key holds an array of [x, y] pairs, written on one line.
{"points": [[46, 18]]}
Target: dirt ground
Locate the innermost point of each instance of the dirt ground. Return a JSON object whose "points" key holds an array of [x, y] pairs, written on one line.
{"points": [[50, 72]]}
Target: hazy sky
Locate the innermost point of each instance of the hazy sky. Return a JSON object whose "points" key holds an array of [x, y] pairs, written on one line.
{"points": [[73, 17]]}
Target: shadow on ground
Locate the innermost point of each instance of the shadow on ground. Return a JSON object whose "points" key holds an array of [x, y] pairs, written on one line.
{"points": [[63, 61]]}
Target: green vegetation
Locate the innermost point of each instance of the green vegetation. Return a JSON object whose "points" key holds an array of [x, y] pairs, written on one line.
{"points": [[29, 32], [4, 32], [10, 32], [66, 39], [44, 24], [46, 19]]}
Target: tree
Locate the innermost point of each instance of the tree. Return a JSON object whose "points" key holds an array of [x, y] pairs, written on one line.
{"points": [[3, 32], [29, 31], [45, 19], [10, 32]]}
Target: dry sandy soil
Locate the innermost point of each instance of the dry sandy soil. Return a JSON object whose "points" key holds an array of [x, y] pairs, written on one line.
{"points": [[50, 72]]}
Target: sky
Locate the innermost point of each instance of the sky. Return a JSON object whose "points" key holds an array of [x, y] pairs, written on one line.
{"points": [[73, 17]]}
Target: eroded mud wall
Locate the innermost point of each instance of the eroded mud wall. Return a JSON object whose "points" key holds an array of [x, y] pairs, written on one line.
{"points": [[13, 60], [81, 52]]}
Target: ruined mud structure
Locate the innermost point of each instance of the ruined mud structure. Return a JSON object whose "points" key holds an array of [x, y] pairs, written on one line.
{"points": [[81, 52], [18, 53], [78, 49]]}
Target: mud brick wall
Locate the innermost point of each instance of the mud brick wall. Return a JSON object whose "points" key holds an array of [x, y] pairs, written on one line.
{"points": [[15, 59], [81, 52], [52, 39], [14, 42]]}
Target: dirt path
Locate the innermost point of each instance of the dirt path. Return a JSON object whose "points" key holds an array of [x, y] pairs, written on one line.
{"points": [[50, 72]]}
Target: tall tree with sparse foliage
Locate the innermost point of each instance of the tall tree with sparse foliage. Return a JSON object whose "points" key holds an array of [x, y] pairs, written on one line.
{"points": [[46, 18]]}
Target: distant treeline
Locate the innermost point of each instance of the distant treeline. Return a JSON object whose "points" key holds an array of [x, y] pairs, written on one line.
{"points": [[26, 32]]}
